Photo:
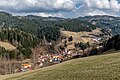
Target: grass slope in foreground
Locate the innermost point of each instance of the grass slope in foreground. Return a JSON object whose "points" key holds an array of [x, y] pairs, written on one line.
{"points": [[103, 67]]}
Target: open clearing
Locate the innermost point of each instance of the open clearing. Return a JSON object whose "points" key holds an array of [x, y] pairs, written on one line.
{"points": [[77, 36], [101, 67], [7, 45]]}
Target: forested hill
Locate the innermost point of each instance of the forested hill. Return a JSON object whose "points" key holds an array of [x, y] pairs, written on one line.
{"points": [[21, 40], [32, 23], [104, 21], [25, 32]]}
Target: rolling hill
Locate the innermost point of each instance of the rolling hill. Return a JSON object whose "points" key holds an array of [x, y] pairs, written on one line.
{"points": [[82, 36], [104, 21], [32, 23], [103, 67]]}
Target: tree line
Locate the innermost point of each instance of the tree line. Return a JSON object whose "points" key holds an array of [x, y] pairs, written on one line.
{"points": [[20, 39]]}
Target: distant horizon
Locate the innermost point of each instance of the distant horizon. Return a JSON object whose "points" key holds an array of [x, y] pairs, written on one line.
{"points": [[61, 8], [56, 16]]}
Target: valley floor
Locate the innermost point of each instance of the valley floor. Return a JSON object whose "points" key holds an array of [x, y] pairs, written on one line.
{"points": [[102, 67]]}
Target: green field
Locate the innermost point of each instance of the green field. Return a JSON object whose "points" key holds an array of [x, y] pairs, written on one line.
{"points": [[102, 67]]}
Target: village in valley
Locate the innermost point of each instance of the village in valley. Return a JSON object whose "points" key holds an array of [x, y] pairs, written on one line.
{"points": [[72, 45], [24, 49], [59, 39]]}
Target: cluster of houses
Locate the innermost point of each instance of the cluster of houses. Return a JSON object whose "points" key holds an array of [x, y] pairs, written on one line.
{"points": [[48, 59], [68, 53]]}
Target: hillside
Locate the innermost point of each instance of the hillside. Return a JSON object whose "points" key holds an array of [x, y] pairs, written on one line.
{"points": [[103, 67], [94, 37], [32, 23], [104, 21], [7, 45], [16, 42], [82, 36]]}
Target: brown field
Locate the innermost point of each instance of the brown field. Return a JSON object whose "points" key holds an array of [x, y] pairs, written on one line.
{"points": [[7, 45], [77, 36]]}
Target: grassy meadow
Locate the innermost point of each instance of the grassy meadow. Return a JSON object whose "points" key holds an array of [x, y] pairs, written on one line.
{"points": [[7, 45], [101, 67]]}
